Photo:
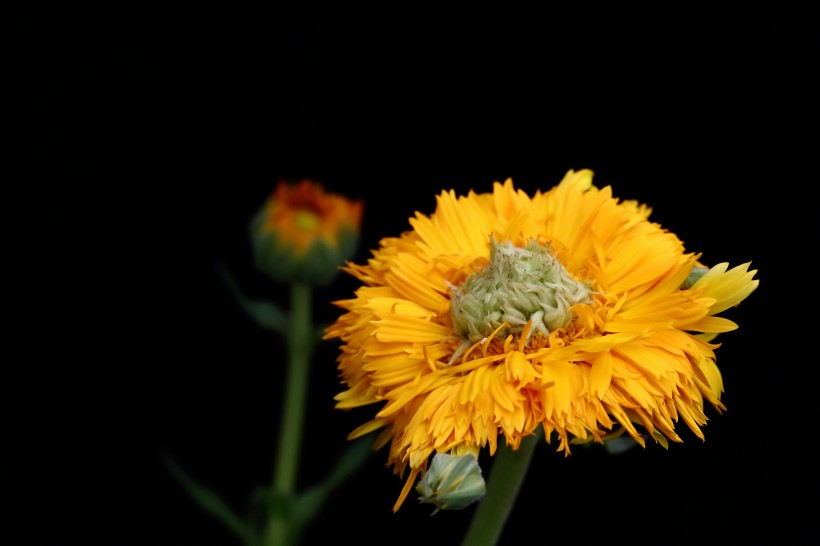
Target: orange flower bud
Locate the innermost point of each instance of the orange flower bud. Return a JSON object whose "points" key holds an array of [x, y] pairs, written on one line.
{"points": [[304, 234]]}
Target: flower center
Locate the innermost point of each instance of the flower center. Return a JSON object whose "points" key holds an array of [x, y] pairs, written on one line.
{"points": [[306, 220], [517, 286]]}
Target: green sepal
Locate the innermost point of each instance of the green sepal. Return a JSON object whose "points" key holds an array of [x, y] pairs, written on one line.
{"points": [[318, 264], [694, 276], [619, 445], [266, 314], [211, 503]]}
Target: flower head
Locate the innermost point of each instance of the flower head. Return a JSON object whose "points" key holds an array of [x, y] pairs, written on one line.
{"points": [[502, 312], [305, 234]]}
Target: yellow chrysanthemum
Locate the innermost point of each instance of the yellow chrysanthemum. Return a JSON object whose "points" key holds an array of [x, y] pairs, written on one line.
{"points": [[501, 312]]}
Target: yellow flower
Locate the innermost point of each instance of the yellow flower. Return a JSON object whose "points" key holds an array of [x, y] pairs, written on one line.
{"points": [[305, 234], [501, 312]]}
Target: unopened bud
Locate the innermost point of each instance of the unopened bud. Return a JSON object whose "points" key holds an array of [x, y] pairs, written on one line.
{"points": [[303, 234], [452, 482]]}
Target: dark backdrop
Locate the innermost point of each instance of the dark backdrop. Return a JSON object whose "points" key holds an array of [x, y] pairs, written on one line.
{"points": [[143, 139]]}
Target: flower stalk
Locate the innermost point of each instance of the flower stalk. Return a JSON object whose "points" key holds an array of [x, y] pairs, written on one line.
{"points": [[301, 236], [290, 431], [506, 477]]}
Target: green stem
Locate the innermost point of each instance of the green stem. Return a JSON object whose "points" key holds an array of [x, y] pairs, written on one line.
{"points": [[300, 344], [506, 476]]}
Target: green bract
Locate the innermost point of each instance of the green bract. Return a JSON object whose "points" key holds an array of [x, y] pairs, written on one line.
{"points": [[452, 482], [318, 264]]}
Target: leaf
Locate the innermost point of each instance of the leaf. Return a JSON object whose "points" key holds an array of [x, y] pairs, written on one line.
{"points": [[268, 315], [210, 502], [310, 501], [620, 445]]}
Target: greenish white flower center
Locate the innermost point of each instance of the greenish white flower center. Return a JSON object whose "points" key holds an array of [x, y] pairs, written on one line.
{"points": [[520, 284]]}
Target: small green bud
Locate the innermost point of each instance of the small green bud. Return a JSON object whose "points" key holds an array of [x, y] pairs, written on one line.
{"points": [[452, 482]]}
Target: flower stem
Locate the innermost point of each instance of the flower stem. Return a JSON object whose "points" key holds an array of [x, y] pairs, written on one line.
{"points": [[506, 476], [290, 431]]}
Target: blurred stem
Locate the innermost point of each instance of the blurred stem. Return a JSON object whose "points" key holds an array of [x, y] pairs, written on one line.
{"points": [[299, 343], [506, 476]]}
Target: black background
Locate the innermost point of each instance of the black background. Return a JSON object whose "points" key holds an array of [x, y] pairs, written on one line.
{"points": [[144, 138]]}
